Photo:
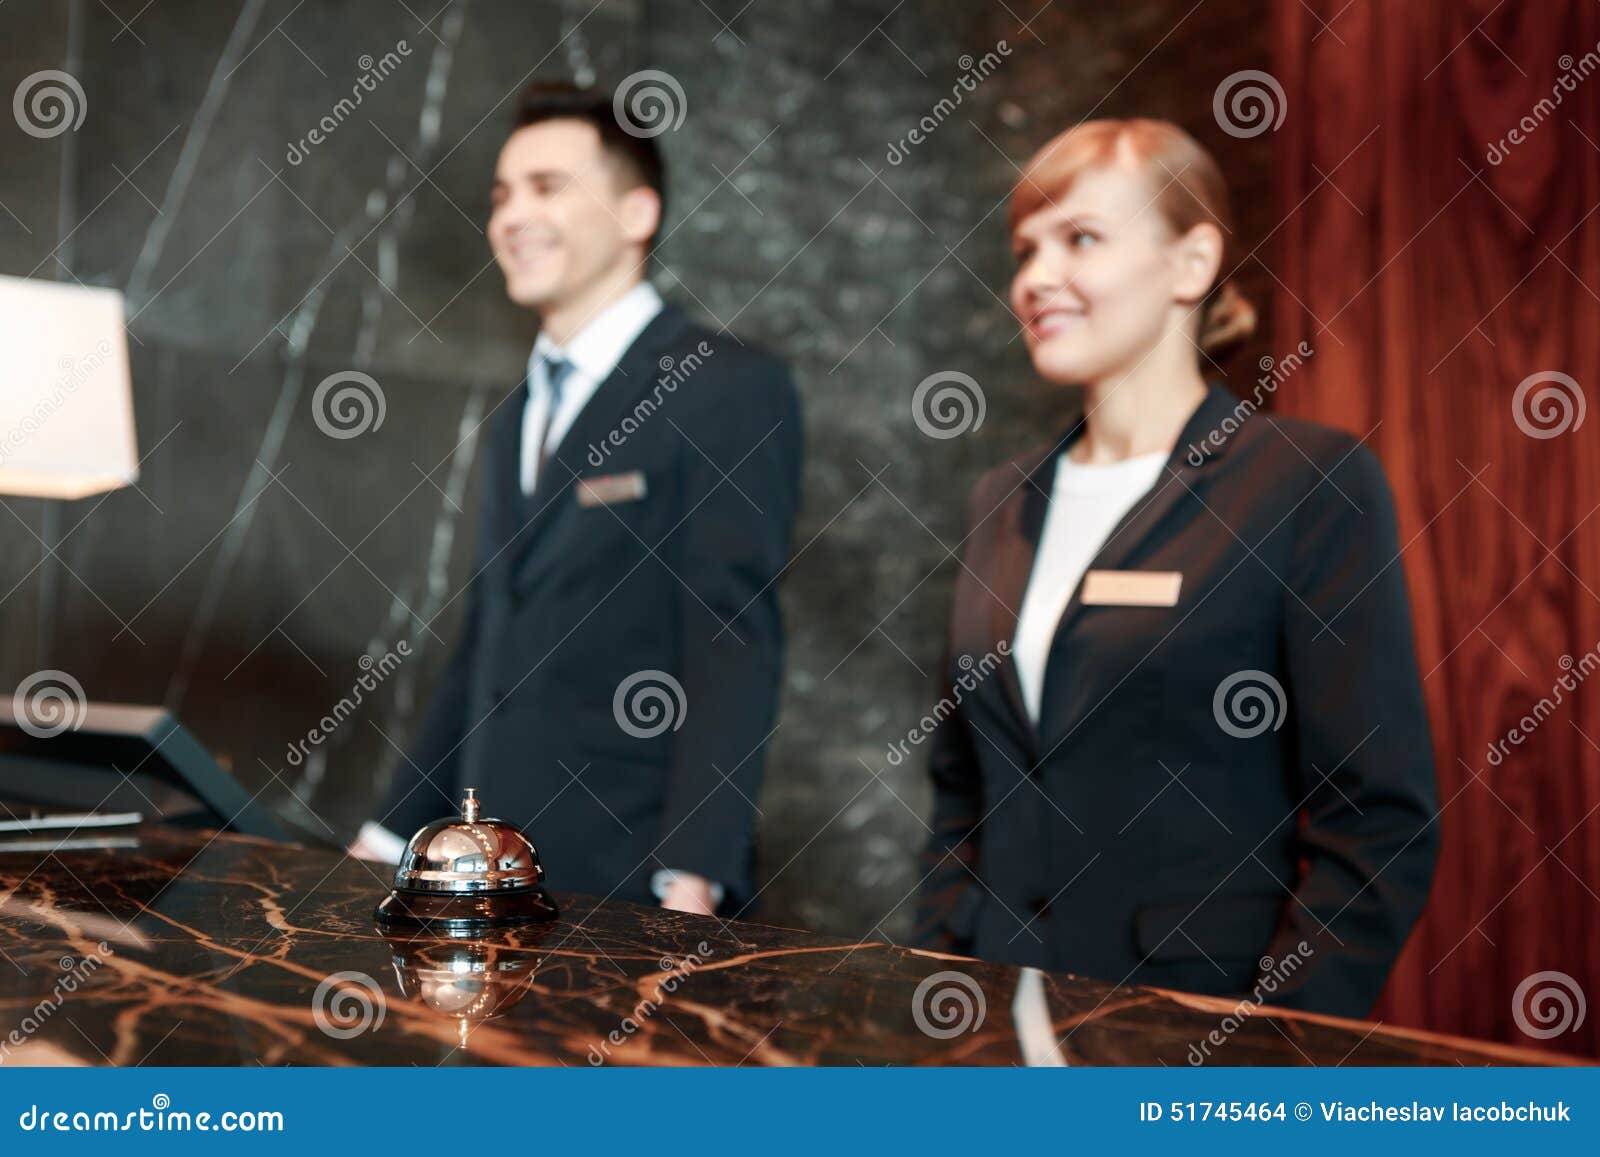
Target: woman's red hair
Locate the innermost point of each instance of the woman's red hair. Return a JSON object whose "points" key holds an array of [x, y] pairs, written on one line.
{"points": [[1188, 190]]}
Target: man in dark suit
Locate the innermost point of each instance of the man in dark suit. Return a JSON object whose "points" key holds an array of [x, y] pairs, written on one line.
{"points": [[617, 674]]}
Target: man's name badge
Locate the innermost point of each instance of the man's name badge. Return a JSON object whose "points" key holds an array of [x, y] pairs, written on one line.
{"points": [[610, 489]]}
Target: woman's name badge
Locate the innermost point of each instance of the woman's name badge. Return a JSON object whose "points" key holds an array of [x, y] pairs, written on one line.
{"points": [[1131, 588]]}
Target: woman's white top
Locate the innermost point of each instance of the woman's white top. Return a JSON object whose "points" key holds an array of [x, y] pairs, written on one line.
{"points": [[1086, 503]]}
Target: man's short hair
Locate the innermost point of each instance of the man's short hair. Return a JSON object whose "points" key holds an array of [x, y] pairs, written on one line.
{"points": [[631, 150]]}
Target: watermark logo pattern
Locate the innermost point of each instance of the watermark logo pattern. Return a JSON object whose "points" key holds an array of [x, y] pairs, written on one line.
{"points": [[50, 702], [49, 103], [649, 103], [347, 404], [948, 404], [1248, 703], [347, 1004], [1248, 103], [947, 1004], [1548, 1004], [1548, 404], [648, 703]]}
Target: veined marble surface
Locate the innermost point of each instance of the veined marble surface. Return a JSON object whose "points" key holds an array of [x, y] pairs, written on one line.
{"points": [[180, 947]]}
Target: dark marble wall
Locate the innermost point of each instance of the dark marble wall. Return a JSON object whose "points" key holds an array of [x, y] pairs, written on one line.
{"points": [[258, 559]]}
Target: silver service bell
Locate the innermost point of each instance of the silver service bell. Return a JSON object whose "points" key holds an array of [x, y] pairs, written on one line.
{"points": [[465, 874]]}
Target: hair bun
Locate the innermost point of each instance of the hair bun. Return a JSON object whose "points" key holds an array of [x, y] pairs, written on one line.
{"points": [[1228, 322]]}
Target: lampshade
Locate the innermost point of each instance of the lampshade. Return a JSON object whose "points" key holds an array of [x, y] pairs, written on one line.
{"points": [[66, 405]]}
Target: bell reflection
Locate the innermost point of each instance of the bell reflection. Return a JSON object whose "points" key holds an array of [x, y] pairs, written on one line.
{"points": [[467, 981]]}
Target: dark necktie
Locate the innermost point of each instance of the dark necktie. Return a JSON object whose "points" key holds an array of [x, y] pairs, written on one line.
{"points": [[556, 371]]}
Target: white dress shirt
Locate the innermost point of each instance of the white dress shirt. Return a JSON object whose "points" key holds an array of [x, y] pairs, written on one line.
{"points": [[1086, 503], [593, 355]]}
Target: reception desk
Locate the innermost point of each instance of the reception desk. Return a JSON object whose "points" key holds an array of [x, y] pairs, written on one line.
{"points": [[185, 948]]}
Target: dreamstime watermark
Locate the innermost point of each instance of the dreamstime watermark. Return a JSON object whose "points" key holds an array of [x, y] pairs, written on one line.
{"points": [[1274, 372], [156, 1119], [376, 671], [1577, 670], [1548, 404], [347, 404], [1547, 1004], [947, 1004], [1249, 103], [674, 971], [74, 372], [948, 404], [1572, 74], [648, 703], [373, 72], [973, 672], [49, 702], [1248, 703], [973, 73], [74, 973], [1273, 976], [347, 1004], [674, 372], [49, 103], [649, 103]]}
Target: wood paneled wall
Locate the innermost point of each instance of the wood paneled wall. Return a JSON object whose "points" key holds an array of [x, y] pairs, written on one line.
{"points": [[1434, 264]]}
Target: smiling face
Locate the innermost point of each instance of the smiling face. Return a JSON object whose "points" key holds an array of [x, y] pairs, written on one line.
{"points": [[566, 226], [1103, 277]]}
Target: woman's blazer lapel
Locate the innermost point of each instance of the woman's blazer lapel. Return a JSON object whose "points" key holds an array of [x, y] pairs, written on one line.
{"points": [[1017, 524]]}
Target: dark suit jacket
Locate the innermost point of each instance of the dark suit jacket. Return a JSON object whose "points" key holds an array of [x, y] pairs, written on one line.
{"points": [[1130, 836], [570, 600]]}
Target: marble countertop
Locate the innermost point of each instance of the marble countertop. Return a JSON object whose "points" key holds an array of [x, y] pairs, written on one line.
{"points": [[181, 948]]}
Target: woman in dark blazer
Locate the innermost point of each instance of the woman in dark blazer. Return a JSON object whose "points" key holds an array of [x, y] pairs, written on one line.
{"points": [[1185, 742]]}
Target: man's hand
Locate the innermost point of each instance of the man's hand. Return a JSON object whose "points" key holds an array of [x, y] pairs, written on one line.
{"points": [[689, 893]]}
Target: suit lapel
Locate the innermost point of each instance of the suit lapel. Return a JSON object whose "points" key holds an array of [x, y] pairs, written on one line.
{"points": [[614, 397], [503, 480], [1173, 485], [1023, 518], [1179, 478], [1017, 543]]}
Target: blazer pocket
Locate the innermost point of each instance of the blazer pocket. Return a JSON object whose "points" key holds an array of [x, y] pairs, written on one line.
{"points": [[613, 535], [1221, 927], [581, 534]]}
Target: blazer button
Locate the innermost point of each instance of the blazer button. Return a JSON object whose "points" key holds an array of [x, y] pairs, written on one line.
{"points": [[1040, 906]]}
